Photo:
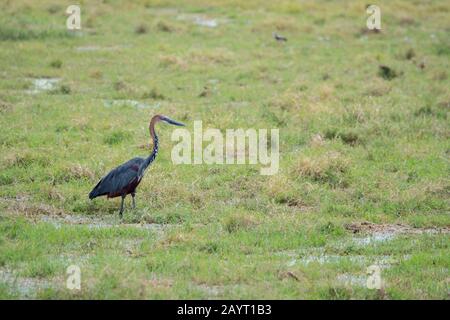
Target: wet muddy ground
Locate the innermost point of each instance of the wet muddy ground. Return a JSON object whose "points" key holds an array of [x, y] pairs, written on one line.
{"points": [[97, 222], [362, 234], [373, 228], [23, 287], [366, 233]]}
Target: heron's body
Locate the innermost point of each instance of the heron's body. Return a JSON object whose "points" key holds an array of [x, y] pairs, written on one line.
{"points": [[124, 179]]}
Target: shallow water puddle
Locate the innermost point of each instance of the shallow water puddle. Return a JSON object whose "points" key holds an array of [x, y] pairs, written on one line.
{"points": [[372, 233], [352, 280], [374, 238], [382, 261], [25, 287], [133, 103], [200, 20], [322, 259], [210, 23], [43, 84], [317, 255], [213, 291]]}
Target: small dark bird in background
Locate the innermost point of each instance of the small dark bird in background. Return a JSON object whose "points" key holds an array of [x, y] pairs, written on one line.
{"points": [[279, 38], [124, 179]]}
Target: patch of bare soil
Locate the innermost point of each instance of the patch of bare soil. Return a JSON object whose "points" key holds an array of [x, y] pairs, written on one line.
{"points": [[373, 228], [95, 222], [38, 212]]}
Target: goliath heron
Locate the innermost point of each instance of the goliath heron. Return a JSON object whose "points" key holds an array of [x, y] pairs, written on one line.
{"points": [[124, 179]]}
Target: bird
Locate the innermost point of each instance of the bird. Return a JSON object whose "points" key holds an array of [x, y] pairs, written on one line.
{"points": [[278, 37], [124, 179]]}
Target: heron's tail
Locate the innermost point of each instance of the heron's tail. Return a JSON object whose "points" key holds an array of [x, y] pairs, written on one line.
{"points": [[95, 192]]}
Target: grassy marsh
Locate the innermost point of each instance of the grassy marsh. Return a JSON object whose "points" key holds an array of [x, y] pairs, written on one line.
{"points": [[356, 145]]}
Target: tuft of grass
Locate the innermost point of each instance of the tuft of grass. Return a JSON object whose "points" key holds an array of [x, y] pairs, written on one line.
{"points": [[20, 33], [239, 222], [329, 168], [378, 88], [57, 64], [54, 8], [24, 159], [348, 137], [42, 268], [141, 29], [63, 89], [96, 74], [120, 86], [164, 26], [164, 217], [442, 49], [172, 61], [410, 53], [330, 228], [429, 111], [387, 73], [153, 94], [5, 107], [76, 172], [117, 137]]}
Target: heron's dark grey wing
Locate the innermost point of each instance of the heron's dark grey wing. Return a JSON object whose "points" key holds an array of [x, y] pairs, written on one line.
{"points": [[118, 178]]}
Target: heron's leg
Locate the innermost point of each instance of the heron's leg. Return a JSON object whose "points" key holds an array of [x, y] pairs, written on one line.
{"points": [[121, 207], [133, 194]]}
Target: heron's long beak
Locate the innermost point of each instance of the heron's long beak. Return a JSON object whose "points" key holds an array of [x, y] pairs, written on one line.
{"points": [[175, 123]]}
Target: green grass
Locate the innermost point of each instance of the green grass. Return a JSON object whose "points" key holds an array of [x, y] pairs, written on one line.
{"points": [[356, 144]]}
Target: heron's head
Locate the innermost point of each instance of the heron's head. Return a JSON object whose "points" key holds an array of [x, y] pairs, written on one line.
{"points": [[170, 121]]}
